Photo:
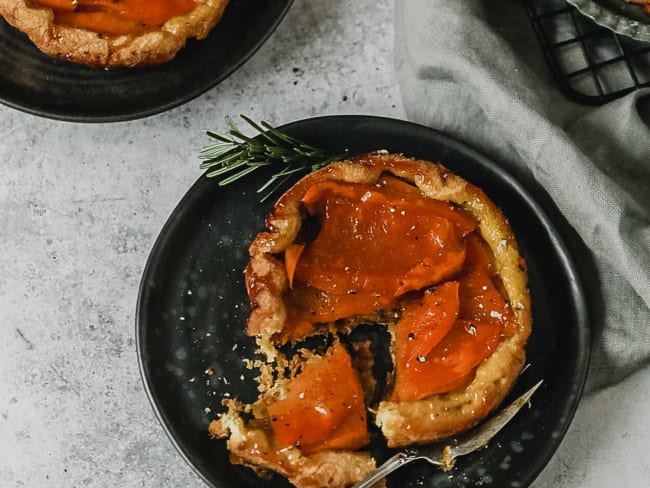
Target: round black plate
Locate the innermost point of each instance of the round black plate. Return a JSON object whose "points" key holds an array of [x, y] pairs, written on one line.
{"points": [[192, 311], [35, 83]]}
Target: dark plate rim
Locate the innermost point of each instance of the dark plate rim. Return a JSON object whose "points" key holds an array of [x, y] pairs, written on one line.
{"points": [[564, 255], [164, 107]]}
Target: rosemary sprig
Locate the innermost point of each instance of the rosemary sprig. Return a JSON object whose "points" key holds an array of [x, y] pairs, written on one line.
{"points": [[236, 155]]}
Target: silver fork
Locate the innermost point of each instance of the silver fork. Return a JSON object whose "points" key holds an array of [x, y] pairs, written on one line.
{"points": [[444, 454]]}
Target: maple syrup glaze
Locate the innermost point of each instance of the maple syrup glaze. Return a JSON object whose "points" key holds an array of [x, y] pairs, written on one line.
{"points": [[375, 243], [116, 17], [382, 247]]}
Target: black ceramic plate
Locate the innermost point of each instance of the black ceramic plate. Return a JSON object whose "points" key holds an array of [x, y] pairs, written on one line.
{"points": [[35, 83], [192, 310]]}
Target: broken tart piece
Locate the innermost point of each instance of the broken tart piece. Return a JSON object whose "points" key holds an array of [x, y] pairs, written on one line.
{"points": [[308, 427], [112, 33], [412, 247]]}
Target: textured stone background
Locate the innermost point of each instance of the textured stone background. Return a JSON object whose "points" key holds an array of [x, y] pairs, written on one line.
{"points": [[80, 207]]}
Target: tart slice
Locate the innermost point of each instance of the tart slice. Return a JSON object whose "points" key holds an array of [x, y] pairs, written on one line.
{"points": [[308, 428], [112, 33]]}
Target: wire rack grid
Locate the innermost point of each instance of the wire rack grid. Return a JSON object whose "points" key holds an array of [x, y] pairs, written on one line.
{"points": [[591, 64]]}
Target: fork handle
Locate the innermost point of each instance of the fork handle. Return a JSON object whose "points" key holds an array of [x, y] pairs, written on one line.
{"points": [[398, 460]]}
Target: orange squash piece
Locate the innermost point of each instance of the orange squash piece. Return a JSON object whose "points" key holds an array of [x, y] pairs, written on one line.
{"points": [[424, 323], [108, 23], [479, 297], [307, 303], [377, 243], [65, 5], [116, 17], [450, 363], [322, 408], [426, 320], [477, 316], [291, 256], [351, 434], [146, 11]]}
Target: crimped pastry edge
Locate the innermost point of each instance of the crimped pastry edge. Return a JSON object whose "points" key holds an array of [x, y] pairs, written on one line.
{"points": [[86, 47]]}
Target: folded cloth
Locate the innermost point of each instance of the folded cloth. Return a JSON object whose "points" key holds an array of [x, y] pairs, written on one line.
{"points": [[473, 69]]}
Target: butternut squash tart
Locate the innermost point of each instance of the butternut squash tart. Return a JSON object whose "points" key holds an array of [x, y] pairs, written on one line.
{"points": [[112, 33], [409, 245]]}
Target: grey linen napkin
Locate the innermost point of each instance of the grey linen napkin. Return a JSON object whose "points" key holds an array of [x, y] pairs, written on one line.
{"points": [[473, 69]]}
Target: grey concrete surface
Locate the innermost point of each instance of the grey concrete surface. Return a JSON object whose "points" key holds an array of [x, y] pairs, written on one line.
{"points": [[80, 207]]}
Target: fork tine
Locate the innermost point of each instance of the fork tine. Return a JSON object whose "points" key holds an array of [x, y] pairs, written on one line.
{"points": [[435, 453], [481, 435]]}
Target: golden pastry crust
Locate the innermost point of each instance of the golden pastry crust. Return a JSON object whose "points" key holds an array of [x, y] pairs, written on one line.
{"points": [[444, 415], [93, 49], [441, 415], [254, 448]]}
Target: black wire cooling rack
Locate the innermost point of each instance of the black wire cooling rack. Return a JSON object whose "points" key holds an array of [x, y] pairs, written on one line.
{"points": [[592, 64]]}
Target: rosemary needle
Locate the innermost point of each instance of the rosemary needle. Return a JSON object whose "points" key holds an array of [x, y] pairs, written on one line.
{"points": [[235, 155]]}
